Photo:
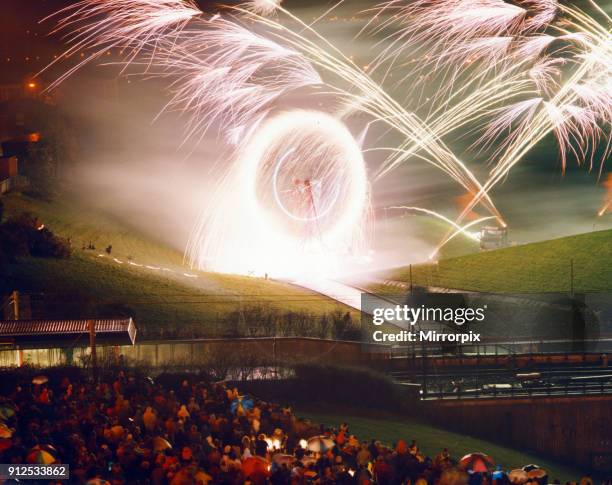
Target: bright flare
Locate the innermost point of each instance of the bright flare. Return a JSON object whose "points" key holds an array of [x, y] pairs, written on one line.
{"points": [[295, 203]]}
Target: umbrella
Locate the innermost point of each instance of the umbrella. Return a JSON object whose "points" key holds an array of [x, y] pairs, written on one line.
{"points": [[5, 444], [518, 476], [5, 431], [476, 462], [530, 467], [117, 432], [253, 465], [281, 458], [40, 457], [141, 451], [98, 481], [38, 380], [161, 444], [202, 476], [48, 448], [241, 404], [320, 444], [7, 411], [537, 473], [308, 460]]}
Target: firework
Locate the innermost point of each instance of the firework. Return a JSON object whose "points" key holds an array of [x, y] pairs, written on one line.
{"points": [[126, 25], [454, 226], [509, 55], [515, 71], [531, 69], [297, 196], [576, 112], [224, 74], [263, 7]]}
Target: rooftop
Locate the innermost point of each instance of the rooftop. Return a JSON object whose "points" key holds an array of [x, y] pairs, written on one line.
{"points": [[66, 333]]}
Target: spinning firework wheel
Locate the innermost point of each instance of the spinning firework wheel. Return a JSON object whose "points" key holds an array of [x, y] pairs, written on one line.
{"points": [[309, 176], [304, 193]]}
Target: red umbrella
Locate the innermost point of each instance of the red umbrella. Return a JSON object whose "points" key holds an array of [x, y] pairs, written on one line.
{"points": [[5, 431], [476, 462], [5, 444], [254, 465]]}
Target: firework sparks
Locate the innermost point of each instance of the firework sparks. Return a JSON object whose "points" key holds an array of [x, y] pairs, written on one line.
{"points": [[127, 25], [224, 75], [510, 68], [521, 49], [263, 7], [608, 197]]}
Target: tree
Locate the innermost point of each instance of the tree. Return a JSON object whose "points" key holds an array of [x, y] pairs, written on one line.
{"points": [[23, 235], [41, 169]]}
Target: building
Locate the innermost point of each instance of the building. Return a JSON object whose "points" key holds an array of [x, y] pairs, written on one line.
{"points": [[19, 90], [18, 93], [8, 173], [39, 342]]}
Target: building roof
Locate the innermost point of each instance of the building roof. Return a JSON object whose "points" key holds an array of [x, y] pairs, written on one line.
{"points": [[62, 333]]}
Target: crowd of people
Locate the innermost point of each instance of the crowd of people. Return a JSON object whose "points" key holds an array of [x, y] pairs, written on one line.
{"points": [[129, 430]]}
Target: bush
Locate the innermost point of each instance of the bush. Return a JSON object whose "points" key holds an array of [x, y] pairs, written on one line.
{"points": [[335, 386], [174, 380], [24, 235], [352, 386]]}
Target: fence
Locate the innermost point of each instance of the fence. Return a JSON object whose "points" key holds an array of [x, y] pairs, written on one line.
{"points": [[233, 351]]}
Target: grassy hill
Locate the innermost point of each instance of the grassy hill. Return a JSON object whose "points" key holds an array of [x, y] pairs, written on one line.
{"points": [[153, 284], [548, 266]]}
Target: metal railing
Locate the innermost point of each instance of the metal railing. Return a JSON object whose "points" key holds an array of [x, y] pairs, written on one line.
{"points": [[549, 389]]}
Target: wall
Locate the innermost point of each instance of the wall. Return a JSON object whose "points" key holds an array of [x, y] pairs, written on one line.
{"points": [[576, 430], [8, 167]]}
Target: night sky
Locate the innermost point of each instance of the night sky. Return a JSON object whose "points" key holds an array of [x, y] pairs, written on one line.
{"points": [[25, 44]]}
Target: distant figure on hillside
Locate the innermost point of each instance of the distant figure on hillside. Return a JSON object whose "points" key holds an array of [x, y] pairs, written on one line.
{"points": [[109, 249]]}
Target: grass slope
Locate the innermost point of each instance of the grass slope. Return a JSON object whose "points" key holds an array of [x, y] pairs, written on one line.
{"points": [[389, 429], [161, 295], [538, 267]]}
